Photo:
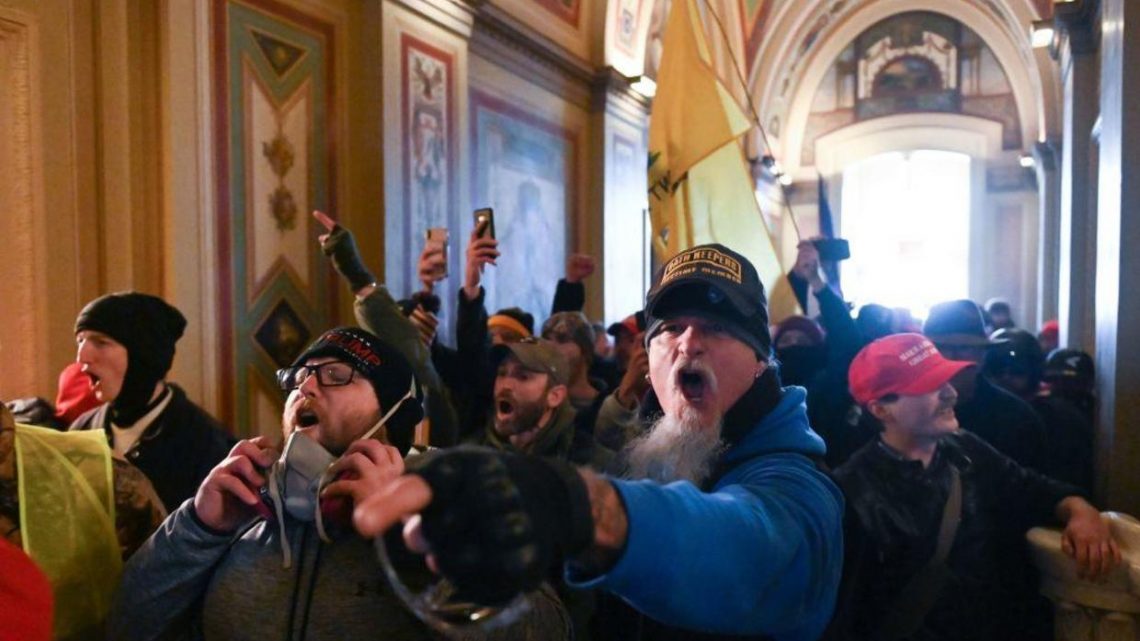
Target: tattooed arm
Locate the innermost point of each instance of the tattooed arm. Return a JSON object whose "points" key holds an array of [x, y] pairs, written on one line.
{"points": [[611, 526]]}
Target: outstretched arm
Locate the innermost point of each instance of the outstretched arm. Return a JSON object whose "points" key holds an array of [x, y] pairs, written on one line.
{"points": [[776, 533], [338, 244]]}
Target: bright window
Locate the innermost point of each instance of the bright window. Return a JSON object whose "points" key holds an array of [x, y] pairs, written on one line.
{"points": [[907, 217]]}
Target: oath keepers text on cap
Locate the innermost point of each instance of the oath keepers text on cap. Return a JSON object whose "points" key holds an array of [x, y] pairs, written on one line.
{"points": [[708, 261]]}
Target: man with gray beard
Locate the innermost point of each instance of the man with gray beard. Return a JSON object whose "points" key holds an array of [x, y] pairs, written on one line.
{"points": [[675, 448], [722, 524]]}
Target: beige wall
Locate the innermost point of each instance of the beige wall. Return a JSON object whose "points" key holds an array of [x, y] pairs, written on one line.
{"points": [[106, 169], [80, 171], [108, 165]]}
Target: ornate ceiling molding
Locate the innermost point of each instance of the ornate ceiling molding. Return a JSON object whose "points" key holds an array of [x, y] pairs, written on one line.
{"points": [[787, 72], [508, 42]]}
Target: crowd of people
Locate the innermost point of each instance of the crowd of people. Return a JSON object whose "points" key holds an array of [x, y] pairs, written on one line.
{"points": [[707, 475]]}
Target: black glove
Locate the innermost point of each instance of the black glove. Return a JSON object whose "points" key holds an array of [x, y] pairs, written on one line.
{"points": [[341, 249], [499, 522], [428, 301]]}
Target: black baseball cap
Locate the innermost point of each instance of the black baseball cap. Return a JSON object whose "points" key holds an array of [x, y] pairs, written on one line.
{"points": [[712, 280], [957, 323]]}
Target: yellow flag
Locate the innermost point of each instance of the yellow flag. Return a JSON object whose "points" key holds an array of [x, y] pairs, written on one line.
{"points": [[699, 189]]}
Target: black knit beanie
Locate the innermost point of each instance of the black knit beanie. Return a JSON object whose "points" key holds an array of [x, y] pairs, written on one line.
{"points": [[148, 327], [384, 366]]}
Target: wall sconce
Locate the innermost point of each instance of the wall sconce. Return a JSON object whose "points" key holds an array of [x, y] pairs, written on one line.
{"points": [[773, 165], [1027, 161], [643, 85], [1041, 33], [777, 170]]}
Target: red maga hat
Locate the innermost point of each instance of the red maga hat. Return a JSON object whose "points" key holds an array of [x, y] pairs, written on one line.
{"points": [[907, 364]]}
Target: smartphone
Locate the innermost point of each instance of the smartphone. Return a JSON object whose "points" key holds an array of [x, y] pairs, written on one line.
{"points": [[437, 237], [485, 222], [832, 249]]}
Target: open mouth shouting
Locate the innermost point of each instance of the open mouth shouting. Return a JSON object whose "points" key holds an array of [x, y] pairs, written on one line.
{"points": [[504, 407], [97, 386], [695, 384], [304, 416], [307, 418]]}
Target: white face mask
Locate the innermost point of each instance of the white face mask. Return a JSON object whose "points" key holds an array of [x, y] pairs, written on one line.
{"points": [[298, 474], [296, 479]]}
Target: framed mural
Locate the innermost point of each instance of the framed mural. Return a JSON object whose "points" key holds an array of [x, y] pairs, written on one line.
{"points": [[275, 134], [525, 168], [429, 156]]}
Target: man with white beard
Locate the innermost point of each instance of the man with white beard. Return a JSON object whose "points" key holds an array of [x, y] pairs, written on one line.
{"points": [[722, 525]]}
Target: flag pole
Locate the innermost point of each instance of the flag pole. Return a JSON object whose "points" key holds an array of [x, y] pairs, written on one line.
{"points": [[752, 111]]}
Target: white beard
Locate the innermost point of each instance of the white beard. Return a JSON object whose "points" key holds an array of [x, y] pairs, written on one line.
{"points": [[676, 448]]}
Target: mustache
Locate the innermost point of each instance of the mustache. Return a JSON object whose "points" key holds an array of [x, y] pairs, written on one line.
{"points": [[297, 403]]}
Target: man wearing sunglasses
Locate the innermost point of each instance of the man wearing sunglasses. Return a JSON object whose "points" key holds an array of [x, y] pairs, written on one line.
{"points": [[265, 549]]}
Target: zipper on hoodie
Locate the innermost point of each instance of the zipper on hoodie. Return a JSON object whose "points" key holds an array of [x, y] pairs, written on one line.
{"points": [[298, 564]]}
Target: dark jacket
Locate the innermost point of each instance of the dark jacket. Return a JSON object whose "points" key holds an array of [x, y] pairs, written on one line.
{"points": [[379, 314], [473, 385], [568, 297], [895, 507], [1004, 421], [176, 451], [1068, 452], [557, 440], [831, 410]]}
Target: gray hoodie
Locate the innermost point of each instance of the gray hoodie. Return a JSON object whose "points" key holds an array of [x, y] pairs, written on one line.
{"points": [[187, 582]]}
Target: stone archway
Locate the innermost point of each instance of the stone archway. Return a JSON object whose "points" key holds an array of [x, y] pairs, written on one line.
{"points": [[787, 71]]}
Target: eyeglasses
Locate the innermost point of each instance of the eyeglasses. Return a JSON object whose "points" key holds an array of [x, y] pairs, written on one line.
{"points": [[331, 374]]}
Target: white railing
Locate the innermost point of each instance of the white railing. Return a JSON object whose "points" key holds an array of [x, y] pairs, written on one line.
{"points": [[1108, 610]]}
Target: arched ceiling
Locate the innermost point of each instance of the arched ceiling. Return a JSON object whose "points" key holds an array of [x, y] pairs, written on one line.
{"points": [[801, 38]]}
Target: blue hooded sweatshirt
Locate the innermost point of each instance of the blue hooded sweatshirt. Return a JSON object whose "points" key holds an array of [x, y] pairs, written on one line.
{"points": [[759, 554]]}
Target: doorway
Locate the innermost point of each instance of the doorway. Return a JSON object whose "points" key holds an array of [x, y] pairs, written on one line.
{"points": [[907, 217]]}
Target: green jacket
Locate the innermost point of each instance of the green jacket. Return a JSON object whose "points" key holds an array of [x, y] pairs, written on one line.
{"points": [[379, 314], [557, 440]]}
